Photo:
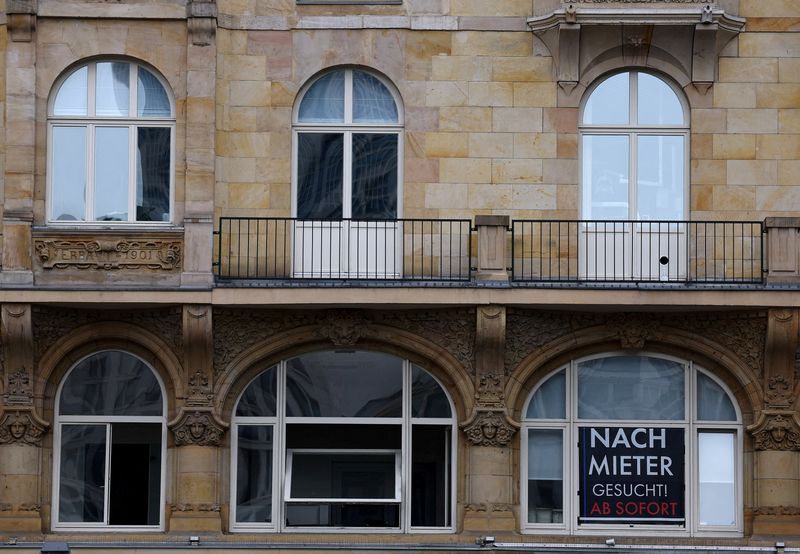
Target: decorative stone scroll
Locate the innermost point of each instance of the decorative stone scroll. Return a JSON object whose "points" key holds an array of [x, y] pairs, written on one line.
{"points": [[203, 507], [109, 254], [777, 511], [197, 427], [776, 431], [22, 427], [489, 427]]}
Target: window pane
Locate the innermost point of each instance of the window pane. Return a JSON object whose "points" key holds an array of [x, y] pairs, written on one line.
{"points": [[372, 101], [550, 400], [111, 174], [631, 388], [111, 383], [259, 399], [69, 173], [605, 176], [430, 475], [113, 96], [609, 103], [152, 173], [545, 476], [661, 169], [324, 101], [713, 403], [332, 475], [717, 478], [657, 102], [254, 474], [73, 95], [333, 436], [428, 399], [151, 98], [135, 480], [82, 477], [342, 514], [374, 176], [320, 160], [344, 384]]}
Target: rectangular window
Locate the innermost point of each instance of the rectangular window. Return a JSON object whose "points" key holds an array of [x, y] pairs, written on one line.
{"points": [[111, 174], [545, 476], [254, 474], [69, 173], [716, 476], [152, 173], [430, 475], [82, 483], [320, 162], [374, 176]]}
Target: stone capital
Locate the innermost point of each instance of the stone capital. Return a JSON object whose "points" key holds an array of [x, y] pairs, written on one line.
{"points": [[22, 426], [776, 430]]}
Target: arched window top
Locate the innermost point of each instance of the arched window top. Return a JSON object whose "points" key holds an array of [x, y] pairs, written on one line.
{"points": [[112, 89], [623, 387], [111, 383], [633, 99], [345, 384], [348, 96]]}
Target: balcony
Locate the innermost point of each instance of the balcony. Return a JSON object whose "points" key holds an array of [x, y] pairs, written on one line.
{"points": [[284, 251]]}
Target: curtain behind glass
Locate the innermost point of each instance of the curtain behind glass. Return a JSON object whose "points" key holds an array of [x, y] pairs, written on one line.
{"points": [[72, 97], [372, 101], [152, 99], [716, 477], [111, 174], [545, 476], [324, 101], [550, 400], [713, 403], [68, 180], [609, 103], [112, 89], [111, 383]]}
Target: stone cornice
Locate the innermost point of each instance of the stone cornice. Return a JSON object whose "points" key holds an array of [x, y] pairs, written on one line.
{"points": [[637, 16]]}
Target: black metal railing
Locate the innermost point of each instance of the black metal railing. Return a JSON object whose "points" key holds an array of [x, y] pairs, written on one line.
{"points": [[397, 249], [637, 251]]}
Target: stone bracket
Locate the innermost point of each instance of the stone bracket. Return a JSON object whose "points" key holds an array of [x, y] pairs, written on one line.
{"points": [[776, 430], [198, 427], [202, 21], [490, 427], [21, 19], [561, 33], [781, 345]]}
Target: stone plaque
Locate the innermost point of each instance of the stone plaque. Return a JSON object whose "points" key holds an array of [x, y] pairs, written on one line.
{"points": [[109, 254]]}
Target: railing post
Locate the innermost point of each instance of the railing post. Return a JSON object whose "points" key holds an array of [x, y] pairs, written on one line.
{"points": [[783, 249], [492, 240]]}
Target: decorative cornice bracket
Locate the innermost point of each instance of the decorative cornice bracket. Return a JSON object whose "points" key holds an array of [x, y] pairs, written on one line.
{"points": [[201, 16], [561, 33], [21, 19]]}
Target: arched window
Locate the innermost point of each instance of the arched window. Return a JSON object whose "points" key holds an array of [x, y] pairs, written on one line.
{"points": [[343, 440], [110, 439], [348, 144], [111, 128], [640, 443], [634, 146]]}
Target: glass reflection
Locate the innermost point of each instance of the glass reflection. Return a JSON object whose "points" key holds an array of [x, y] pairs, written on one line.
{"points": [[254, 473], [427, 397], [111, 383], [631, 388], [344, 384], [81, 493], [112, 89], [69, 173], [605, 176], [550, 399], [657, 102], [374, 176], [152, 173], [545, 476], [260, 397], [152, 99], [609, 103], [324, 101], [372, 101], [111, 174], [320, 162], [713, 403], [660, 188], [72, 97]]}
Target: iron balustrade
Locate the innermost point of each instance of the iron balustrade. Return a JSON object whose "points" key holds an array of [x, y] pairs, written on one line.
{"points": [[283, 248], [721, 252]]}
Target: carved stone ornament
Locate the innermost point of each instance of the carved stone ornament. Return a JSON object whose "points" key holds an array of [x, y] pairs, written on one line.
{"points": [[487, 507], [19, 389], [163, 255], [777, 511], [199, 390], [490, 389], [22, 427], [634, 332], [343, 331], [490, 427], [779, 391], [776, 432], [198, 428], [204, 507]]}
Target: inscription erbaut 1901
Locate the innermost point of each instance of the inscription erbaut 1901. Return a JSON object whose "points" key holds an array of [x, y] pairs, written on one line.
{"points": [[109, 254]]}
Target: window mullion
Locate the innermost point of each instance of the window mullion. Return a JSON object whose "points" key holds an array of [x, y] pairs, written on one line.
{"points": [[132, 187], [107, 480], [405, 449], [279, 449], [88, 214], [347, 176], [132, 89]]}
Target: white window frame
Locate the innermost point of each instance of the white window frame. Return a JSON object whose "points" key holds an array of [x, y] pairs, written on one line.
{"points": [[571, 477], [633, 130], [347, 128], [107, 421], [90, 123], [281, 477]]}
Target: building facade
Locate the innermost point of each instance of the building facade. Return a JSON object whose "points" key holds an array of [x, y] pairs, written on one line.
{"points": [[330, 274]]}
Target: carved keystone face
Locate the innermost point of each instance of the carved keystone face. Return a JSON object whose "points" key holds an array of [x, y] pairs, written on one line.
{"points": [[196, 429], [489, 430], [778, 433], [17, 429]]}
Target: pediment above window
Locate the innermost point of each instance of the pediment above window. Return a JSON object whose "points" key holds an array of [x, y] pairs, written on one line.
{"points": [[681, 38]]}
